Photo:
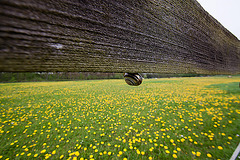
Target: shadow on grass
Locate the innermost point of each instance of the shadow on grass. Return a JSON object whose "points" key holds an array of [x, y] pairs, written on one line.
{"points": [[230, 88]]}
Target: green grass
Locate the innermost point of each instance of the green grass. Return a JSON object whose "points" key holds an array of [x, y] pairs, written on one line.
{"points": [[183, 118], [230, 88]]}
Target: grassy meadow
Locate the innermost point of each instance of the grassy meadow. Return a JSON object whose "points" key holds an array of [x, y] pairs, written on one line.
{"points": [[175, 118]]}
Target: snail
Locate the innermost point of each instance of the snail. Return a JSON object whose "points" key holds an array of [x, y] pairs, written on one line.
{"points": [[133, 79]]}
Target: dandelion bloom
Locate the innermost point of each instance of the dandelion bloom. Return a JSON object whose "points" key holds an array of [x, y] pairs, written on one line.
{"points": [[174, 156], [220, 147], [43, 151], [198, 154], [209, 155], [77, 153]]}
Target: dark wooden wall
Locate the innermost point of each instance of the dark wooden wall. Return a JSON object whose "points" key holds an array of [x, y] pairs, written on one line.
{"points": [[164, 36]]}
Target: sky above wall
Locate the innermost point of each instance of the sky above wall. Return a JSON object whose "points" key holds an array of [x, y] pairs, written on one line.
{"points": [[227, 12]]}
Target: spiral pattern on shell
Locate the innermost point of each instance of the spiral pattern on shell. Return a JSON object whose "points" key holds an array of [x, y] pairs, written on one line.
{"points": [[133, 79]]}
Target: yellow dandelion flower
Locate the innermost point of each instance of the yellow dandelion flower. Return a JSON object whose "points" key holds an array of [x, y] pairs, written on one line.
{"points": [[209, 155], [35, 155], [47, 156], [138, 152], [109, 153], [174, 156], [43, 151], [198, 154], [150, 158], [77, 153], [220, 147]]}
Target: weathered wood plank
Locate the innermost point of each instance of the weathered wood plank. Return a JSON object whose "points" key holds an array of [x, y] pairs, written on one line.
{"points": [[165, 36]]}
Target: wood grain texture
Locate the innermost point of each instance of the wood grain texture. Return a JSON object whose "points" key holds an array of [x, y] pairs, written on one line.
{"points": [[164, 36]]}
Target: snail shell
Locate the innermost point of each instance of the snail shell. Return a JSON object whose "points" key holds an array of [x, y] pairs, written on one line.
{"points": [[133, 79]]}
